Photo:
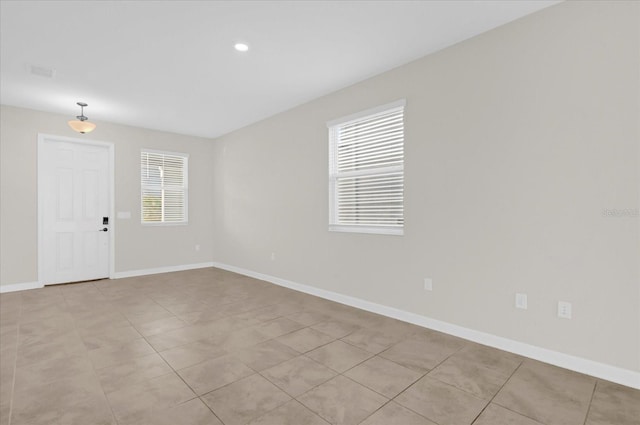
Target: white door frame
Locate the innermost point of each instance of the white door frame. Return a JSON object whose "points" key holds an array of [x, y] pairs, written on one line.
{"points": [[42, 139]]}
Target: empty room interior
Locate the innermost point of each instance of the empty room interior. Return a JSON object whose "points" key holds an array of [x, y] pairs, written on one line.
{"points": [[320, 212]]}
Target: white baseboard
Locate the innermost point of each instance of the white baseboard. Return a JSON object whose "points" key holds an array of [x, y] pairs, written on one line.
{"points": [[157, 270], [589, 367], [20, 287], [118, 275]]}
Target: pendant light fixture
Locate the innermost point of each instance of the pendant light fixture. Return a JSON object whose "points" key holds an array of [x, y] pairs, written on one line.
{"points": [[81, 125]]}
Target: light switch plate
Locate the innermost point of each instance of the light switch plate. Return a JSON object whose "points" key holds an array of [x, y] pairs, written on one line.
{"points": [[428, 284], [564, 310], [521, 301]]}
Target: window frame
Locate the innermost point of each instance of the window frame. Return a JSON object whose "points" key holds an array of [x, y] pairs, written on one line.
{"points": [[185, 188], [334, 175]]}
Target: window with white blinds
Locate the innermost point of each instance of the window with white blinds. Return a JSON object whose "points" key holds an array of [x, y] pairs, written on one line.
{"points": [[163, 181], [366, 171]]}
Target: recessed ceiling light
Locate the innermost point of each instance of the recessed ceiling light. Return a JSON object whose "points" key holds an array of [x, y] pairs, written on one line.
{"points": [[241, 47]]}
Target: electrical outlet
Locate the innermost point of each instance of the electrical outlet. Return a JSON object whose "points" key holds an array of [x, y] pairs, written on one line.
{"points": [[521, 301], [564, 310], [198, 247], [273, 256], [428, 284]]}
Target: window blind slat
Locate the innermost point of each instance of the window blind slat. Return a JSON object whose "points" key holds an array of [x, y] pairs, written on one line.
{"points": [[367, 170], [371, 133], [163, 178]]}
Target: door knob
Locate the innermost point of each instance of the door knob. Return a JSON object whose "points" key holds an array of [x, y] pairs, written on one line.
{"points": [[103, 230]]}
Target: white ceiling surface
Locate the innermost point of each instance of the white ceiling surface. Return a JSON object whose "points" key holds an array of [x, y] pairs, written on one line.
{"points": [[170, 65]]}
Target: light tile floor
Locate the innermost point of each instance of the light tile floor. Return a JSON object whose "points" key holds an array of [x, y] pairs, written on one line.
{"points": [[209, 347]]}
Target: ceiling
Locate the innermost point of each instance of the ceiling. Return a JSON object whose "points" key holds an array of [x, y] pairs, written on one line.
{"points": [[171, 65]]}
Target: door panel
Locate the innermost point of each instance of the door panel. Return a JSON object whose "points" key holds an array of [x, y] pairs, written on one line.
{"points": [[64, 251], [91, 249], [75, 197], [91, 198], [65, 193]]}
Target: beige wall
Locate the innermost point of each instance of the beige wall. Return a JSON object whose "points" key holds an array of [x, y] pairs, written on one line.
{"points": [[516, 142], [137, 247]]}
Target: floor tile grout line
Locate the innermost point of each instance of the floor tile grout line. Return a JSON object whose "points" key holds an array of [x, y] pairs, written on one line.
{"points": [[315, 386], [389, 400], [392, 399], [278, 386], [408, 408], [498, 392], [593, 393], [314, 413], [303, 354], [199, 397], [253, 369], [211, 410], [354, 345], [271, 410], [451, 385], [376, 411], [420, 378], [366, 386], [204, 339]]}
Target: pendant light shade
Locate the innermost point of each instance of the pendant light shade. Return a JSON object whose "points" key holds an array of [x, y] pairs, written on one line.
{"points": [[82, 125]]}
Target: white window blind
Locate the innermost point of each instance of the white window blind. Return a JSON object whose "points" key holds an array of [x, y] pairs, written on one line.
{"points": [[366, 171], [163, 178]]}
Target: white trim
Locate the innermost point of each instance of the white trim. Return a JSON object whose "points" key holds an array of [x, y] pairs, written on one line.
{"points": [[157, 270], [112, 189], [116, 275], [379, 230], [112, 209], [20, 287], [163, 152], [371, 111], [165, 223], [567, 361]]}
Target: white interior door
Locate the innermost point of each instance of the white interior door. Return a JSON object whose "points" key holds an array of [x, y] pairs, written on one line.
{"points": [[75, 194]]}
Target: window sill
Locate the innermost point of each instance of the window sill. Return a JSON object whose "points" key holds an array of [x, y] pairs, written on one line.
{"points": [[151, 224], [378, 230]]}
